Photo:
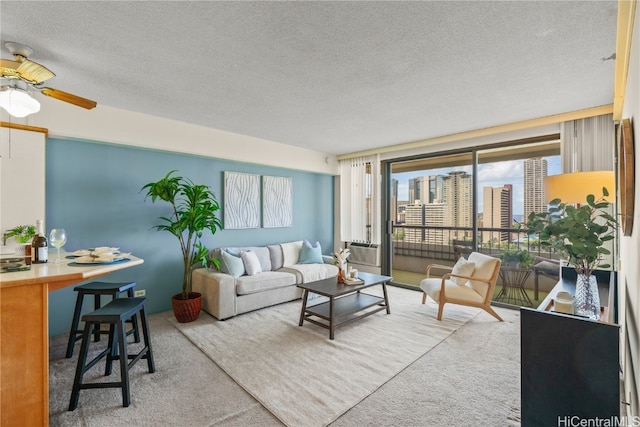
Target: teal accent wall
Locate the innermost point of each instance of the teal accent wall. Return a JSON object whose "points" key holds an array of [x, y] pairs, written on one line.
{"points": [[93, 191]]}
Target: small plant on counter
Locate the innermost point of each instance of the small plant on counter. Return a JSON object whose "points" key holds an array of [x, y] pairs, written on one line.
{"points": [[22, 233]]}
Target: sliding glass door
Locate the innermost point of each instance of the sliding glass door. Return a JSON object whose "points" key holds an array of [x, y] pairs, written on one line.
{"points": [[444, 206], [431, 202]]}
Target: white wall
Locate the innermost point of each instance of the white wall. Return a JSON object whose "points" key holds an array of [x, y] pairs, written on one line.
{"points": [[106, 124], [22, 180], [629, 272]]}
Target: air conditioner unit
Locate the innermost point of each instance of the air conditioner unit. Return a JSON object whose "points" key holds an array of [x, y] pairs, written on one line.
{"points": [[364, 254]]}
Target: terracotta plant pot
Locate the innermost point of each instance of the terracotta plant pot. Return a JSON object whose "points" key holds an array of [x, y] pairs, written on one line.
{"points": [[186, 310]]}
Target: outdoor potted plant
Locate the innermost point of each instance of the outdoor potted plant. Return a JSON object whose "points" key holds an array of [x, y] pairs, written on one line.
{"points": [[193, 209], [516, 258], [579, 233]]}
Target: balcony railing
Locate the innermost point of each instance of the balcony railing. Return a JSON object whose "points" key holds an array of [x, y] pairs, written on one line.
{"points": [[415, 247], [441, 242]]}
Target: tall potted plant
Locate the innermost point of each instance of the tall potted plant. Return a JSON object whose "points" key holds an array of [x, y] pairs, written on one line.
{"points": [[194, 208], [579, 233]]}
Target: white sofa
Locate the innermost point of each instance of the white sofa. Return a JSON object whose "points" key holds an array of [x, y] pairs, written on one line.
{"points": [[229, 291]]}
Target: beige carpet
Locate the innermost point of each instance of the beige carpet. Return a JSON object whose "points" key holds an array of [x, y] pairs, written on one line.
{"points": [[305, 379], [470, 378]]}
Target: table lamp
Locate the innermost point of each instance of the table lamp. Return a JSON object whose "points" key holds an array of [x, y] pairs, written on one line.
{"points": [[573, 188]]}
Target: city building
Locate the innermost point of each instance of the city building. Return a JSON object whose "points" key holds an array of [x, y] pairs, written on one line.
{"points": [[457, 189], [497, 213], [535, 170]]}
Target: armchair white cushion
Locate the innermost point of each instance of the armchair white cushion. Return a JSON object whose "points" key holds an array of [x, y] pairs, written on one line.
{"points": [[462, 268], [476, 291]]}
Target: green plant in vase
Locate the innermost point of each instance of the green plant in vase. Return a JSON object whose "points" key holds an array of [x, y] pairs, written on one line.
{"points": [[21, 233], [579, 234]]}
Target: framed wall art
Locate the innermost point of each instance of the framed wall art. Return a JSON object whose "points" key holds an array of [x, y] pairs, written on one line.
{"points": [[241, 200], [277, 202], [626, 176]]}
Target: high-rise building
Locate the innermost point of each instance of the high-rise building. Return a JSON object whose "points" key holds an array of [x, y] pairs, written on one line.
{"points": [[414, 215], [394, 200], [439, 200], [436, 189], [497, 212], [426, 189], [457, 190], [412, 191], [401, 215], [535, 170], [429, 215], [434, 216]]}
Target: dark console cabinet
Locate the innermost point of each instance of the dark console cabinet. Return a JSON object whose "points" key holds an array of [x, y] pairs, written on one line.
{"points": [[569, 368]]}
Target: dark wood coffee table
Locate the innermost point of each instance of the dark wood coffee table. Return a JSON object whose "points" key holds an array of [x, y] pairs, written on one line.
{"points": [[346, 303]]}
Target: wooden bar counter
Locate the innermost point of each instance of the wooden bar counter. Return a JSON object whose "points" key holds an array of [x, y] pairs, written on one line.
{"points": [[24, 335]]}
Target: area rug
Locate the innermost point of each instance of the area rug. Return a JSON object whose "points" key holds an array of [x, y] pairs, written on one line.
{"points": [[304, 378]]}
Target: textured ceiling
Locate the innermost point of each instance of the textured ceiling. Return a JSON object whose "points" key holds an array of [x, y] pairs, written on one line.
{"points": [[336, 77]]}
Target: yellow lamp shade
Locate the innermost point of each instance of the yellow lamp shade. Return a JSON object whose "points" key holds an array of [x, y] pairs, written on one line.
{"points": [[573, 188]]}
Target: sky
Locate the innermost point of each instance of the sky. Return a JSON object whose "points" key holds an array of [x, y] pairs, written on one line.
{"points": [[489, 174]]}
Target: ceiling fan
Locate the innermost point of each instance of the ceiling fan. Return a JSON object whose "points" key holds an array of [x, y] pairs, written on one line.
{"points": [[20, 74]]}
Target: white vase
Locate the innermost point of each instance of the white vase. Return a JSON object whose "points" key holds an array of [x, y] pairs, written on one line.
{"points": [[587, 298], [20, 249]]}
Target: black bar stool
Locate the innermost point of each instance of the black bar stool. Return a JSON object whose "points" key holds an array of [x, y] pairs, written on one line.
{"points": [[97, 289], [115, 314]]}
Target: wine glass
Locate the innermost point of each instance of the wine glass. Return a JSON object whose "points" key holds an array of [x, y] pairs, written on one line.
{"points": [[57, 238]]}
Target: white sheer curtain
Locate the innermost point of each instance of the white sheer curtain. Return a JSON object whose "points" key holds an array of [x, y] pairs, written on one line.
{"points": [[588, 144], [360, 200]]}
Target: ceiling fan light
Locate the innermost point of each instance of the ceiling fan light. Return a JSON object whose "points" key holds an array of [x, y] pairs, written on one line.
{"points": [[18, 103]]}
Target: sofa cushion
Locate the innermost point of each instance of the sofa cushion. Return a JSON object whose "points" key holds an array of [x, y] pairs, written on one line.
{"points": [[264, 281], [251, 263], [310, 254], [291, 253], [275, 252], [231, 264], [261, 252], [306, 273]]}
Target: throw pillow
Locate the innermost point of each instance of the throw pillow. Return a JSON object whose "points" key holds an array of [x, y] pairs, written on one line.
{"points": [[462, 268], [251, 263], [231, 264], [310, 254], [275, 252], [290, 252]]}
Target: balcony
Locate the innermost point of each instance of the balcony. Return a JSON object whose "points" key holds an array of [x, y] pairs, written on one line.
{"points": [[415, 247]]}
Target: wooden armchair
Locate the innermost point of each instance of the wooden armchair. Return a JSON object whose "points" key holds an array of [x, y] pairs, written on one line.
{"points": [[470, 282]]}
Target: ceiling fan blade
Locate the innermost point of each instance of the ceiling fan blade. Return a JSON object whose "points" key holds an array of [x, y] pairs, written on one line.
{"points": [[33, 72], [8, 68], [70, 98], [29, 71]]}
